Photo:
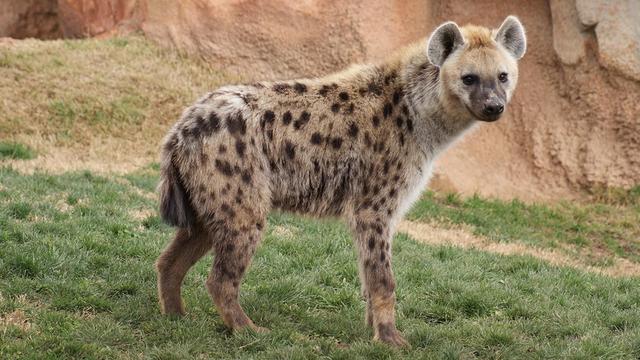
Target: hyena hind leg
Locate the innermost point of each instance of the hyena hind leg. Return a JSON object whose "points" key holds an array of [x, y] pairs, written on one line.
{"points": [[234, 247], [183, 252]]}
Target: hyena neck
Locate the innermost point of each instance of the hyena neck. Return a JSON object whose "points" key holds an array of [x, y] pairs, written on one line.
{"points": [[436, 126]]}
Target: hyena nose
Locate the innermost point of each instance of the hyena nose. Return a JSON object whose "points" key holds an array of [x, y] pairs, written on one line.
{"points": [[492, 109]]}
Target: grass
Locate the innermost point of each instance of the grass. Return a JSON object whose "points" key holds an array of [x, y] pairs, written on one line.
{"points": [[77, 281], [73, 91], [608, 226], [14, 150]]}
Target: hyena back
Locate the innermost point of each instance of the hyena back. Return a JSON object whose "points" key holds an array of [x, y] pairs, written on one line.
{"points": [[357, 145]]}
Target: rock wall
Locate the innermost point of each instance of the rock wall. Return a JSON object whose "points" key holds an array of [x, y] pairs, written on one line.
{"points": [[29, 18], [575, 119]]}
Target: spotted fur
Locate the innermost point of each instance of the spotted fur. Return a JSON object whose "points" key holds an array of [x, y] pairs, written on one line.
{"points": [[358, 144]]}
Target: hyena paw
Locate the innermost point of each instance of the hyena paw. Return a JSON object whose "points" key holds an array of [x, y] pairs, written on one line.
{"points": [[388, 334]]}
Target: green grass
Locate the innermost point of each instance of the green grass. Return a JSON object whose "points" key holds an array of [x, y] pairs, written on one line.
{"points": [[608, 226], [79, 265], [13, 150]]}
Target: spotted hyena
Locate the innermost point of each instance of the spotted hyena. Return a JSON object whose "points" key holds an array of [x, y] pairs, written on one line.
{"points": [[358, 144]]}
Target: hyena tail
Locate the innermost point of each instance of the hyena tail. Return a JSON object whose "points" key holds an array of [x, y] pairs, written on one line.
{"points": [[175, 204]]}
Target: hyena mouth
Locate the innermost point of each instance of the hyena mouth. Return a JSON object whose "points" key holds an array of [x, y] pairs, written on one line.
{"points": [[483, 117]]}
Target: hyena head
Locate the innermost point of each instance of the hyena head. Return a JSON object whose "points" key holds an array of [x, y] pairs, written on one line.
{"points": [[478, 67]]}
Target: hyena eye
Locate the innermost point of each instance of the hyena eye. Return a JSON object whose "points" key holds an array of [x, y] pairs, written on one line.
{"points": [[469, 79], [503, 77]]}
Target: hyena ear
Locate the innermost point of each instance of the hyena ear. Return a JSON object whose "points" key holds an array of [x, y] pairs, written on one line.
{"points": [[511, 35], [442, 42]]}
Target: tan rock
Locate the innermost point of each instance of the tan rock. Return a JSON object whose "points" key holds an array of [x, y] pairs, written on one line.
{"points": [[617, 28], [82, 18], [568, 38], [29, 18]]}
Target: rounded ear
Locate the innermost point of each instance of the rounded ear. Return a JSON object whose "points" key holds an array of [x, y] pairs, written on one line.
{"points": [[442, 42], [511, 35]]}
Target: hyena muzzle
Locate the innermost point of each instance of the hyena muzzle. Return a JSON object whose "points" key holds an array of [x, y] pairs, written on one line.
{"points": [[358, 145]]}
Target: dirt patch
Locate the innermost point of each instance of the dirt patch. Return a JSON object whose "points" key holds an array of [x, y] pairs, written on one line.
{"points": [[101, 156], [141, 214], [287, 232], [16, 318], [463, 238]]}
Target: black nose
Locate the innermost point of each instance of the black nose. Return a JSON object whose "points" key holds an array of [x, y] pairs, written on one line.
{"points": [[493, 109]]}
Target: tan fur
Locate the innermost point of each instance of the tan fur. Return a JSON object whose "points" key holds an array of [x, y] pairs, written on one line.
{"points": [[358, 145]]}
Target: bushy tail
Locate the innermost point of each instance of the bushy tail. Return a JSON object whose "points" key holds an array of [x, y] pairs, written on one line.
{"points": [[175, 205]]}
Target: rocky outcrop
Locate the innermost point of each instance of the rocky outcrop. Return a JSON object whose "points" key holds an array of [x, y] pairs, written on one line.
{"points": [[29, 18], [82, 18]]}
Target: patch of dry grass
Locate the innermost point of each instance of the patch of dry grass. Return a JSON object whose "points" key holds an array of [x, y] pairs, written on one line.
{"points": [[102, 105]]}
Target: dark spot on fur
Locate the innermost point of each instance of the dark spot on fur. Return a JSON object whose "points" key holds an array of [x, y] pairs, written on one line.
{"points": [[213, 122], [241, 146], [344, 96], [375, 89], [385, 168], [286, 118], [302, 120], [281, 88], [246, 176], [367, 139], [390, 77], [392, 193], [335, 107], [224, 167], [300, 88], [336, 142], [410, 125], [401, 135], [375, 120], [350, 109], [382, 255], [316, 138], [372, 243], [290, 149], [267, 118], [270, 134], [316, 166], [236, 124], [324, 90], [396, 96], [227, 209], [387, 110], [353, 130], [399, 121], [259, 225]]}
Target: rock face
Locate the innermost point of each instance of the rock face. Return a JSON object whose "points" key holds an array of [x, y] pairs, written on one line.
{"points": [[574, 122], [270, 39], [82, 18], [29, 18]]}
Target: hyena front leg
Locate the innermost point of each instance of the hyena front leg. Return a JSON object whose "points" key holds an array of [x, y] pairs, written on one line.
{"points": [[235, 243], [185, 250], [373, 242]]}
